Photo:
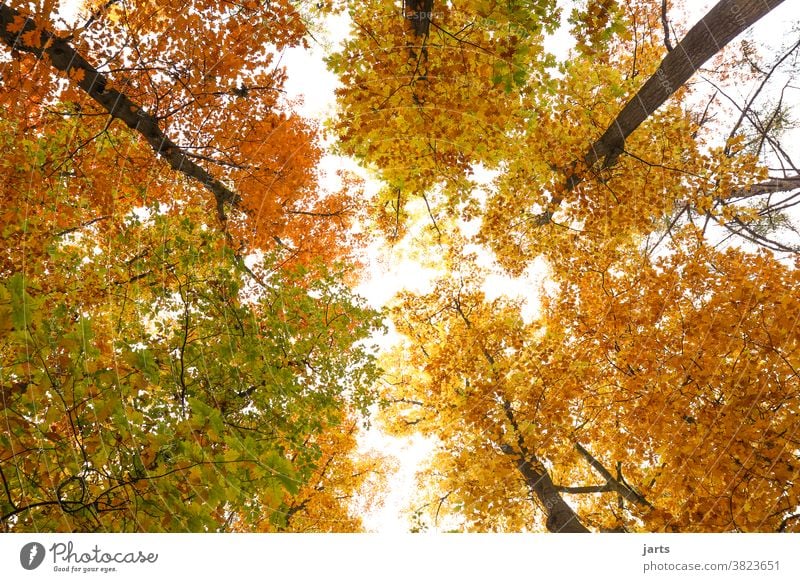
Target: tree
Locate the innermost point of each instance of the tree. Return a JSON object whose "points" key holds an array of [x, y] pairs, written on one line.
{"points": [[650, 396], [163, 368], [145, 389], [180, 347], [652, 343], [199, 82]]}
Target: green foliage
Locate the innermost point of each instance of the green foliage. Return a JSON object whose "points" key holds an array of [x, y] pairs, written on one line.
{"points": [[146, 390]]}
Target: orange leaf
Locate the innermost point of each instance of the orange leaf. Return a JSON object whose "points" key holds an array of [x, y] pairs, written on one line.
{"points": [[17, 25], [77, 75], [32, 38]]}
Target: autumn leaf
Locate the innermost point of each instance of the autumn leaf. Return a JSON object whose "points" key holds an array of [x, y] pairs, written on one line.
{"points": [[77, 75]]}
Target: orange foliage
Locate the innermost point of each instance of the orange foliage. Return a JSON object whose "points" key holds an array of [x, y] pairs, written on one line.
{"points": [[209, 73]]}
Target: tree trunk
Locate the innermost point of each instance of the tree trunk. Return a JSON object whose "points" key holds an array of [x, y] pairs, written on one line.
{"points": [[561, 518], [724, 22]]}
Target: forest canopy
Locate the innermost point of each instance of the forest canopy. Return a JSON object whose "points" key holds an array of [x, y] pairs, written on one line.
{"points": [[182, 342]]}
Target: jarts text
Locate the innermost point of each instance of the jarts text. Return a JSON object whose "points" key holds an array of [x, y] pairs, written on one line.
{"points": [[655, 550]]}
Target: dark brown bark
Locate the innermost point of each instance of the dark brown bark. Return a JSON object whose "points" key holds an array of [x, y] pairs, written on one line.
{"points": [[665, 24], [63, 57], [724, 22], [561, 518], [770, 186], [419, 12]]}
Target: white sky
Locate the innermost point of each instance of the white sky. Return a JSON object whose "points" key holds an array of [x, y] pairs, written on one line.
{"points": [[310, 81], [313, 85]]}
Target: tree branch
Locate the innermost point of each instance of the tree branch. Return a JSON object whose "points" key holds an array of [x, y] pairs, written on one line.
{"points": [[561, 518], [769, 187], [665, 24], [724, 22], [755, 94], [19, 510], [612, 483], [584, 489], [63, 57], [80, 226]]}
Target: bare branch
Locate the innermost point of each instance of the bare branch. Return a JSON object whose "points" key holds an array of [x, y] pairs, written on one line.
{"points": [[752, 99], [584, 489], [665, 23]]}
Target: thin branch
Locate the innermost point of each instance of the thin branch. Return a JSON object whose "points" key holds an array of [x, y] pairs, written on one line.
{"points": [[19, 510], [585, 489], [433, 218], [770, 186], [614, 484], [7, 489], [779, 151], [665, 24], [740, 228], [752, 99], [81, 226]]}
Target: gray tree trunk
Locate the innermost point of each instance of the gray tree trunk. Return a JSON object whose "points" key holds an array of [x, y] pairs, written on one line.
{"points": [[724, 22]]}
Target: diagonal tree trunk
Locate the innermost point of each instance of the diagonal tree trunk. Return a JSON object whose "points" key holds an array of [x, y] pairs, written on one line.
{"points": [[63, 57], [561, 518], [724, 22]]}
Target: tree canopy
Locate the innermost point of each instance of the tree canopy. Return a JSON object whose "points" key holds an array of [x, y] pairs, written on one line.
{"points": [[182, 345], [181, 350]]}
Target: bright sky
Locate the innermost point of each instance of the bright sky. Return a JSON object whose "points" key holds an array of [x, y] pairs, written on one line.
{"points": [[390, 270], [310, 81]]}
